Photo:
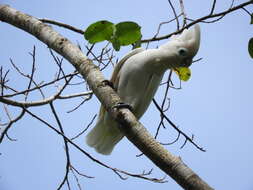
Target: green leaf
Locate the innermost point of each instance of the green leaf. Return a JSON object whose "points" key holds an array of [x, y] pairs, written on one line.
{"points": [[116, 44], [250, 47], [99, 31], [251, 19], [127, 33], [137, 44], [184, 73]]}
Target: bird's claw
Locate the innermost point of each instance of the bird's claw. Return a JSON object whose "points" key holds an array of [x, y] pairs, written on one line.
{"points": [[123, 105], [108, 82]]}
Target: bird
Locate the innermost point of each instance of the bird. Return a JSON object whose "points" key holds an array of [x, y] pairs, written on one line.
{"points": [[136, 79]]}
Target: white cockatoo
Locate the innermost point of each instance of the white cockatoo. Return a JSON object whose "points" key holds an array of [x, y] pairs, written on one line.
{"points": [[136, 78]]}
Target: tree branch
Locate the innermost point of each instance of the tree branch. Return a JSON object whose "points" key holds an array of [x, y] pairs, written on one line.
{"points": [[202, 19], [46, 100], [133, 130], [4, 128], [62, 25], [118, 172], [155, 38], [40, 86], [65, 179]]}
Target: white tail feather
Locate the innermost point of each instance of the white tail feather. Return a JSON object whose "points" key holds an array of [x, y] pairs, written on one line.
{"points": [[103, 138]]}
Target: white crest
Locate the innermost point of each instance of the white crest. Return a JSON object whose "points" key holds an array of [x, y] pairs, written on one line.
{"points": [[190, 38]]}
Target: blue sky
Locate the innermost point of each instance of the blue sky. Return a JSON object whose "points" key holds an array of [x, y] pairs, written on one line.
{"points": [[215, 104]]}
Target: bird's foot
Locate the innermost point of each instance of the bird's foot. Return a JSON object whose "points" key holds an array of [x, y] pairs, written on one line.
{"points": [[107, 82], [123, 105]]}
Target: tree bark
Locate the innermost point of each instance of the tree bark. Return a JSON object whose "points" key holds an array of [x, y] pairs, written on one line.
{"points": [[129, 125]]}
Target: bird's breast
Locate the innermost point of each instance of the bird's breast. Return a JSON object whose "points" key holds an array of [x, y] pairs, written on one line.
{"points": [[137, 88]]}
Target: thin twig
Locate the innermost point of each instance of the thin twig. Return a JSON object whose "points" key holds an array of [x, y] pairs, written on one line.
{"points": [[163, 23], [75, 95], [183, 12], [76, 178], [39, 86], [213, 7], [202, 19], [250, 14], [80, 104], [115, 170], [177, 129], [81, 174], [65, 179], [221, 14], [32, 73], [59, 64], [28, 77], [62, 25], [170, 143], [175, 14], [3, 80], [39, 102], [163, 103], [86, 128], [4, 130]]}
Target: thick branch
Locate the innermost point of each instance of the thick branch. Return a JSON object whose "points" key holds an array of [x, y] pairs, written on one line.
{"points": [[134, 131]]}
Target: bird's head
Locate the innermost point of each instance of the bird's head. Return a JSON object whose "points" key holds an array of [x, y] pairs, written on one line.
{"points": [[182, 48]]}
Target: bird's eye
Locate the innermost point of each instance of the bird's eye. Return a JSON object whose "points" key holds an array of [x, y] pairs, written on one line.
{"points": [[183, 52]]}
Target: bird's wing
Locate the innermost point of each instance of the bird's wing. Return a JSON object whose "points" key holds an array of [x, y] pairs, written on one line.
{"points": [[115, 75]]}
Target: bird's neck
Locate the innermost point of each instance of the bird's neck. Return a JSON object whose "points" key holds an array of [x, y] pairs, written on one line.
{"points": [[158, 61]]}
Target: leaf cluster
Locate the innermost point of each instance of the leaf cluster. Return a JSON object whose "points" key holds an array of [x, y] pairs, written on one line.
{"points": [[121, 34]]}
